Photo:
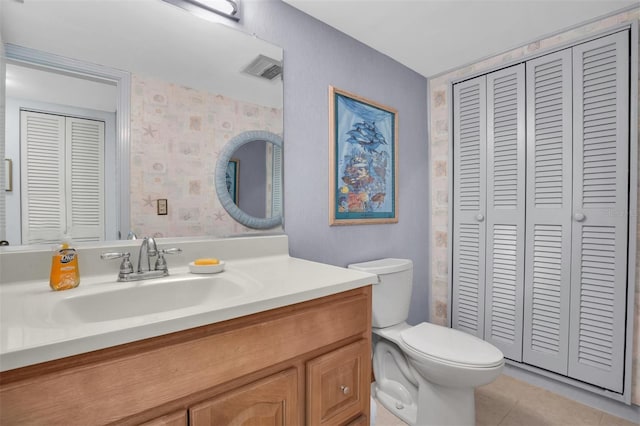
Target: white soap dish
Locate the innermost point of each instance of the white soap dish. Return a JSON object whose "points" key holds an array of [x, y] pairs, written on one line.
{"points": [[206, 269]]}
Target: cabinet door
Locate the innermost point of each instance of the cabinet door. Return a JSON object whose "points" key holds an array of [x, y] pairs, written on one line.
{"points": [[505, 210], [270, 401], [548, 217], [469, 205], [338, 385], [600, 208]]}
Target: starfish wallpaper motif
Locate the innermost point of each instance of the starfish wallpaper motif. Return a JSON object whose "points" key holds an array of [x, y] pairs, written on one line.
{"points": [[149, 131]]}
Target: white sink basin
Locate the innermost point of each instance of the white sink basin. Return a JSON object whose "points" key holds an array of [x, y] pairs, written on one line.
{"points": [[140, 298], [39, 325]]}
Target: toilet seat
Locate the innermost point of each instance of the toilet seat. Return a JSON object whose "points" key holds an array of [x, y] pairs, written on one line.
{"points": [[450, 346]]}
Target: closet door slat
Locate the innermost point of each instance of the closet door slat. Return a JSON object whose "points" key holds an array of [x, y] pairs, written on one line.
{"points": [[469, 202], [42, 157], [505, 210], [600, 209], [85, 177], [548, 214]]}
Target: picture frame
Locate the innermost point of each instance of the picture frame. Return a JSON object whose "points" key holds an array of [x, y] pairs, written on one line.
{"points": [[363, 160], [232, 178]]}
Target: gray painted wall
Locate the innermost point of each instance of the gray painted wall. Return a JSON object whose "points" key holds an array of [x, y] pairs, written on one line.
{"points": [[315, 57]]}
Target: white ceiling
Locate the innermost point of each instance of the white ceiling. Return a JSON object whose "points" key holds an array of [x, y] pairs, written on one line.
{"points": [[434, 36]]}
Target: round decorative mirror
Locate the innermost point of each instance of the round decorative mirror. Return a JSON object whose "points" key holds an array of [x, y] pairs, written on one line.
{"points": [[249, 179]]}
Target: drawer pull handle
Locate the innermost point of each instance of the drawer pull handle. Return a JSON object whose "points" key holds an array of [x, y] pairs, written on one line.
{"points": [[345, 389]]}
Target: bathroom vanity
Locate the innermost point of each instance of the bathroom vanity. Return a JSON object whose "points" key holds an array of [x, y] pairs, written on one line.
{"points": [[293, 349]]}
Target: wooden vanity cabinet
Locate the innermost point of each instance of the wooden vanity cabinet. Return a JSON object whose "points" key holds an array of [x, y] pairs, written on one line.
{"points": [[307, 363]]}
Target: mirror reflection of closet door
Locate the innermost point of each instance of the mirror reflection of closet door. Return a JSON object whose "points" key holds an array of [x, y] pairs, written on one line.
{"points": [[62, 178]]}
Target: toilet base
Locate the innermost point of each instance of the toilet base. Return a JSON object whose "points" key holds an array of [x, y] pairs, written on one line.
{"points": [[445, 406], [408, 413], [439, 406]]}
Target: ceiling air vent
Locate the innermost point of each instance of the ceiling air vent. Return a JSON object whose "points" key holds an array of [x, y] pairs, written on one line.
{"points": [[264, 67]]}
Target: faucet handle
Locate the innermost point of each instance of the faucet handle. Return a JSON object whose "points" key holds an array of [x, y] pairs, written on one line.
{"points": [[161, 263], [125, 267], [113, 255], [172, 250]]}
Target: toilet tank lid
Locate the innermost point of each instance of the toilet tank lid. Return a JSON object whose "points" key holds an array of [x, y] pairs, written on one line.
{"points": [[383, 266]]}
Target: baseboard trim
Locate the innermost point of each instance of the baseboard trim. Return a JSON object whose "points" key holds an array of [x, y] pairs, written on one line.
{"points": [[615, 408]]}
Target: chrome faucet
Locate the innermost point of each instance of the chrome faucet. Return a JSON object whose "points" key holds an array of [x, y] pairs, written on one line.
{"points": [[148, 249]]}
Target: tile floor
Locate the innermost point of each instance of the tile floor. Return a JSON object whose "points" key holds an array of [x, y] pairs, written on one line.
{"points": [[512, 402]]}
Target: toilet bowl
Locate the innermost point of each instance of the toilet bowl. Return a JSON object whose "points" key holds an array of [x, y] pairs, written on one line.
{"points": [[425, 374]]}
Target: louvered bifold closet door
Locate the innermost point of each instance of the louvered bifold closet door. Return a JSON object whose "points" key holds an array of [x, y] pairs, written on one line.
{"points": [[469, 206], [548, 215], [600, 208], [276, 182], [85, 179], [42, 177], [505, 209]]}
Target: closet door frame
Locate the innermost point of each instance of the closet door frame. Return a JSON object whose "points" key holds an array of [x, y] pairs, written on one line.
{"points": [[632, 27], [634, 116]]}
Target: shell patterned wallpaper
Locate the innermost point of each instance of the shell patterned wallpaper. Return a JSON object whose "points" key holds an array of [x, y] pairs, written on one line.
{"points": [[439, 157], [177, 134]]}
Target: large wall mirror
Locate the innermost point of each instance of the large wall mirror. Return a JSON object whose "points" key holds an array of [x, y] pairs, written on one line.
{"points": [[190, 85]]}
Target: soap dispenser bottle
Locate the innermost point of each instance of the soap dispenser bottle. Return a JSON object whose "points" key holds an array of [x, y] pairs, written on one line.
{"points": [[65, 273]]}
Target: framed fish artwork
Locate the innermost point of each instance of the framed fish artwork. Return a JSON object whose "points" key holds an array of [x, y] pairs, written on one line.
{"points": [[363, 158], [232, 177]]}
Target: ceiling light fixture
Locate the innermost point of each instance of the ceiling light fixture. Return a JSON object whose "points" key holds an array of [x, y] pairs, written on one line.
{"points": [[227, 8]]}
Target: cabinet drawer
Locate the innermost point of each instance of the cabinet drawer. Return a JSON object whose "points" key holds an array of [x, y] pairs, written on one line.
{"points": [[339, 383]]}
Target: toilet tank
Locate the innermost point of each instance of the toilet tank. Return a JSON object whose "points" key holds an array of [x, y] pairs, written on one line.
{"points": [[392, 294]]}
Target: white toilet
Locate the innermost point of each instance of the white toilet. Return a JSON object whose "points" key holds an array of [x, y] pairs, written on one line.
{"points": [[425, 374]]}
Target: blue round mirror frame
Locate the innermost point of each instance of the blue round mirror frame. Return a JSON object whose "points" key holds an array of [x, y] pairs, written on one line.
{"points": [[221, 185]]}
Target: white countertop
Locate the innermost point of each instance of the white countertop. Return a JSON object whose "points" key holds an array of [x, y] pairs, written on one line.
{"points": [[30, 335]]}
